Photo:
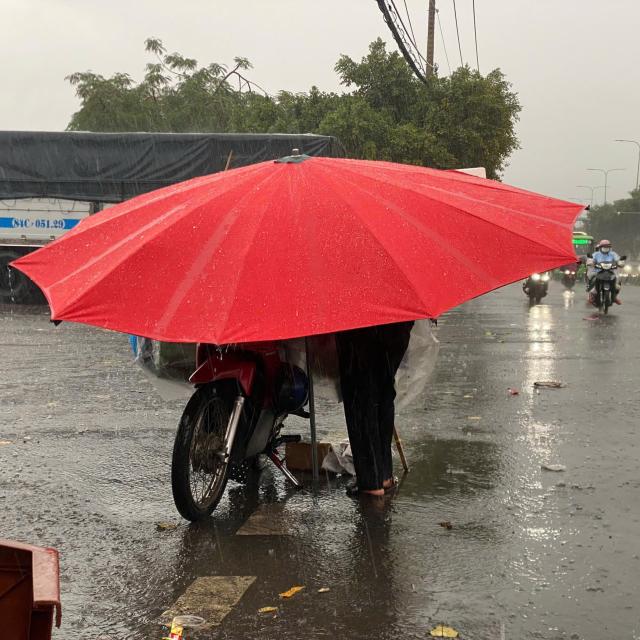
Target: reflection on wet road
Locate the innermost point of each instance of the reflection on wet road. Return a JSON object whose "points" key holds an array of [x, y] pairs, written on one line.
{"points": [[531, 553]]}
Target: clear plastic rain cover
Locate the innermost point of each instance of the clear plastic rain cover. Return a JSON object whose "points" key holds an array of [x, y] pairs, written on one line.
{"points": [[169, 365]]}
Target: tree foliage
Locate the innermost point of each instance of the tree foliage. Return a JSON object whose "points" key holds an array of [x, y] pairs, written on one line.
{"points": [[619, 222], [465, 119]]}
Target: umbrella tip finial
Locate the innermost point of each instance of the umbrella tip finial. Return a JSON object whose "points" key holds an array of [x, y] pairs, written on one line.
{"points": [[295, 158]]}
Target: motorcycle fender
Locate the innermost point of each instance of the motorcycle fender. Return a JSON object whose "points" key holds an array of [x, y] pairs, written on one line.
{"points": [[230, 367]]}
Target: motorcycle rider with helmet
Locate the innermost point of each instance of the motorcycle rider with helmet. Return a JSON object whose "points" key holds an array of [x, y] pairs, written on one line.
{"points": [[603, 253]]}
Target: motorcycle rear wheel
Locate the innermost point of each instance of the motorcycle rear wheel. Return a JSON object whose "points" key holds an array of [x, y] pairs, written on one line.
{"points": [[199, 473]]}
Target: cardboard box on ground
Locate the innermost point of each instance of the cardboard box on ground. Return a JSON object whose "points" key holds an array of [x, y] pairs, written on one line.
{"points": [[298, 455]]}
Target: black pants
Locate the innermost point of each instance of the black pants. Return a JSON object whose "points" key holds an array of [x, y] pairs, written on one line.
{"points": [[369, 359]]}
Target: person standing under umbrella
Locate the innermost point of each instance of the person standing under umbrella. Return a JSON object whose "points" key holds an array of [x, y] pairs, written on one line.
{"points": [[369, 359]]}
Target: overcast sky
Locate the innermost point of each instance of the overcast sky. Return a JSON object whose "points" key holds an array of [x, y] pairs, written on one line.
{"points": [[573, 62]]}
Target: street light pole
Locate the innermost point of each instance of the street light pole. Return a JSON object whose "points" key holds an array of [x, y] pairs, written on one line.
{"points": [[638, 169], [592, 189], [606, 176]]}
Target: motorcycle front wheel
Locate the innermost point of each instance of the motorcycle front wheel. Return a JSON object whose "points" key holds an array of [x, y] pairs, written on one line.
{"points": [[199, 471], [607, 301]]}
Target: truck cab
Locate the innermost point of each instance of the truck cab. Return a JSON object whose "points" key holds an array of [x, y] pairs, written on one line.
{"points": [[27, 224]]}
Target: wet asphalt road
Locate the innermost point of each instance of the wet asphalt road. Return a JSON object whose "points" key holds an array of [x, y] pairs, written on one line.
{"points": [[531, 553]]}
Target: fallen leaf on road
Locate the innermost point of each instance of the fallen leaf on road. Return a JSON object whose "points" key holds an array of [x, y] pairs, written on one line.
{"points": [[166, 526], [443, 632], [268, 610], [554, 467], [291, 592], [446, 524], [324, 590]]}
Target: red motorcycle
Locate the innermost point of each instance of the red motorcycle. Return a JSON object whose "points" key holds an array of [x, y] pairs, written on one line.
{"points": [[243, 395]]}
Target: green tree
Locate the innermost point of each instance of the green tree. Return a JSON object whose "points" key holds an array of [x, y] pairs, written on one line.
{"points": [[619, 222], [465, 119]]}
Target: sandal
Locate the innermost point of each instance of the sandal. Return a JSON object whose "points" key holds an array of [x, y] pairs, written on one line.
{"points": [[393, 486]]}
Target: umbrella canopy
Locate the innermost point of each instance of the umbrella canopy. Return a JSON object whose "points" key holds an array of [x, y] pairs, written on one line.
{"points": [[298, 247]]}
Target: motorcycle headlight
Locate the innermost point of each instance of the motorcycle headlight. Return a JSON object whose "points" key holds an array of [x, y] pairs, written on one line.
{"points": [[535, 276], [545, 278], [567, 272]]}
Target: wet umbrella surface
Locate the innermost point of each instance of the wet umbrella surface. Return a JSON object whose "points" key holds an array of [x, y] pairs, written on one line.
{"points": [[530, 552]]}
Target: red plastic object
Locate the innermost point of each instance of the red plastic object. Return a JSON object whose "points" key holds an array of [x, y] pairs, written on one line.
{"points": [[283, 250], [29, 591]]}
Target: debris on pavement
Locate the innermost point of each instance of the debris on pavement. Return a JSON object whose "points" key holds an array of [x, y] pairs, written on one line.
{"points": [[264, 610], [549, 384], [474, 418], [291, 592], [27, 439], [446, 524], [5, 442], [189, 621], [513, 392], [166, 526], [209, 597], [444, 632], [267, 520], [324, 590], [554, 467]]}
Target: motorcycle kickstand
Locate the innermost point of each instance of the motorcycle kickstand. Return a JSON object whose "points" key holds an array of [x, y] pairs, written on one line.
{"points": [[273, 456]]}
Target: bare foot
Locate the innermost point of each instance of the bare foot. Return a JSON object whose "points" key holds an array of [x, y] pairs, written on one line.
{"points": [[373, 492]]}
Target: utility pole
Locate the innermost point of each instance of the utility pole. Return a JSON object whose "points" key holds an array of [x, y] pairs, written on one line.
{"points": [[431, 32]]}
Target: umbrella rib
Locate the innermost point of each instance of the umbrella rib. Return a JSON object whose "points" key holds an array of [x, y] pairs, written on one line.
{"points": [[407, 276], [503, 209], [146, 199], [478, 182], [214, 242], [187, 207]]}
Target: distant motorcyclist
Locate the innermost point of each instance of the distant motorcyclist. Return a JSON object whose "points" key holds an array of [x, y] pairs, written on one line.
{"points": [[603, 253]]}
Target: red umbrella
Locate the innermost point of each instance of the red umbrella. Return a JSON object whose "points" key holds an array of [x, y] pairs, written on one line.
{"points": [[298, 247]]}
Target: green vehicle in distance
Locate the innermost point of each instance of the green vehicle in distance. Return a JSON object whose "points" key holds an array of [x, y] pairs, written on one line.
{"points": [[583, 246]]}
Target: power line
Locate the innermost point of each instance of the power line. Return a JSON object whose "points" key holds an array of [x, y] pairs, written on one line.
{"points": [[403, 40], [455, 13], [412, 40], [475, 33], [444, 44], [413, 35]]}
